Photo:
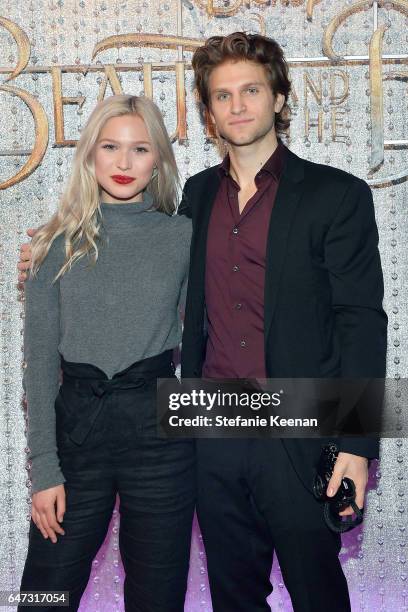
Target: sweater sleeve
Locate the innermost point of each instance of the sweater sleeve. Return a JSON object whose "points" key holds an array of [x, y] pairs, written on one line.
{"points": [[41, 375]]}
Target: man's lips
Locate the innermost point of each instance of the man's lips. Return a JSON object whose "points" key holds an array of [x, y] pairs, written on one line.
{"points": [[123, 180], [240, 121]]}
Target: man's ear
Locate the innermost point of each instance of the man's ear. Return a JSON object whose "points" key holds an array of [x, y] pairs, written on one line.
{"points": [[279, 102]]}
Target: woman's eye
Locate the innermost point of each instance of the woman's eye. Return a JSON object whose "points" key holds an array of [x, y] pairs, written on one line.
{"points": [[141, 150], [222, 97], [110, 147]]}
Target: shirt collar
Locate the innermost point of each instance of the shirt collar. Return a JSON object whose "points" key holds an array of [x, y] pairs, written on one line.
{"points": [[274, 165]]}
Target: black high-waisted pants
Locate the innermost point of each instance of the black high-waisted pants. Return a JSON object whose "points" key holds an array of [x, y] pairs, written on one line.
{"points": [[107, 444]]}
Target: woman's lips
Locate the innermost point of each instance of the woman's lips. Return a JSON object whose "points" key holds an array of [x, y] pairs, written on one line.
{"points": [[122, 180]]}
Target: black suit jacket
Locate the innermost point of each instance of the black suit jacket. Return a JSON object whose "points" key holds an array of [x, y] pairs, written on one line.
{"points": [[323, 286]]}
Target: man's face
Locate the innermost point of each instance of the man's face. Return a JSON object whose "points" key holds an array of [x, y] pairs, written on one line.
{"points": [[242, 104]]}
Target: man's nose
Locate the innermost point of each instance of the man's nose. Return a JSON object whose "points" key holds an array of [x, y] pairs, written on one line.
{"points": [[237, 104]]}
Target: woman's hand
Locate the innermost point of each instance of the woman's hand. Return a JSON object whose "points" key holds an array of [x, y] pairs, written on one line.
{"points": [[24, 262], [47, 511]]}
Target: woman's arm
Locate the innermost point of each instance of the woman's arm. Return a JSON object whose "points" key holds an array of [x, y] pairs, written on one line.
{"points": [[41, 383]]}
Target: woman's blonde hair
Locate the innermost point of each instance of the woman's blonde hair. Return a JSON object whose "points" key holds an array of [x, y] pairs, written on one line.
{"points": [[78, 214]]}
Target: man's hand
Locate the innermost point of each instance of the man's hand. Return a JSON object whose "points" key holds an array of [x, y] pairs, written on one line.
{"points": [[354, 467], [43, 511], [24, 263]]}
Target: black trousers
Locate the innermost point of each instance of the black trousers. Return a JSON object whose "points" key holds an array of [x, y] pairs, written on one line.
{"points": [[107, 444], [251, 504]]}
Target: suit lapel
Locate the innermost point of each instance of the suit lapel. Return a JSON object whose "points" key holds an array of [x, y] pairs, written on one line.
{"points": [[206, 198], [283, 212], [290, 189]]}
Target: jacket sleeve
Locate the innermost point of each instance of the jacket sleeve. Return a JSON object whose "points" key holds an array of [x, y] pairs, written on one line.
{"points": [[184, 208], [353, 263], [41, 374]]}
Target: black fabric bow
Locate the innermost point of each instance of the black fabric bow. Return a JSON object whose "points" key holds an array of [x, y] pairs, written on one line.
{"points": [[101, 389]]}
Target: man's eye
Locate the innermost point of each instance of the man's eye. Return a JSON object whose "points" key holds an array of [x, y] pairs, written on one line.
{"points": [[222, 96], [253, 90]]}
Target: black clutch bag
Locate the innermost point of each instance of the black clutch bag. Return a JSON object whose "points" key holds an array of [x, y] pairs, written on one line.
{"points": [[345, 495]]}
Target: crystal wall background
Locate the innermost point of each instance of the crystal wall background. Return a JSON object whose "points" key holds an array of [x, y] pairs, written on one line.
{"points": [[349, 71]]}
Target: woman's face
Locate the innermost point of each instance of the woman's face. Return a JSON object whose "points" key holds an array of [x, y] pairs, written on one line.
{"points": [[124, 159]]}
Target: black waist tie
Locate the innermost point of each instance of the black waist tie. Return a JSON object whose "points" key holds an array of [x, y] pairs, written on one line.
{"points": [[87, 378]]}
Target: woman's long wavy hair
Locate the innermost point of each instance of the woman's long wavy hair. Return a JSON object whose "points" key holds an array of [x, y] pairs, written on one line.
{"points": [[78, 214]]}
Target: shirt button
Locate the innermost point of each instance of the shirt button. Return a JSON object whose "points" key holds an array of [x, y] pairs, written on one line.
{"points": [[238, 306], [235, 230], [243, 343], [235, 269]]}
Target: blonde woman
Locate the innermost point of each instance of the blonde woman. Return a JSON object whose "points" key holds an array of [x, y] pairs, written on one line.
{"points": [[94, 436]]}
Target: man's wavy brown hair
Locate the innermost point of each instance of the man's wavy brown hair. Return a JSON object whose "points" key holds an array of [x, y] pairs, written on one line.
{"points": [[250, 47]]}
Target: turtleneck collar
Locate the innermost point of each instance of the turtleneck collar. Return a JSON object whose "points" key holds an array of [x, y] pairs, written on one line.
{"points": [[123, 215]]}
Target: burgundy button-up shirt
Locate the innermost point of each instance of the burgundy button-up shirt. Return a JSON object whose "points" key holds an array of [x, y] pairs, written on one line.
{"points": [[235, 273]]}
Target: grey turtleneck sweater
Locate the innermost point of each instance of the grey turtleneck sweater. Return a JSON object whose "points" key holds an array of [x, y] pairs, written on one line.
{"points": [[111, 314]]}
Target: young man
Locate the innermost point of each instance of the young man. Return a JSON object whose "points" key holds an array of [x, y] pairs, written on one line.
{"points": [[285, 281]]}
